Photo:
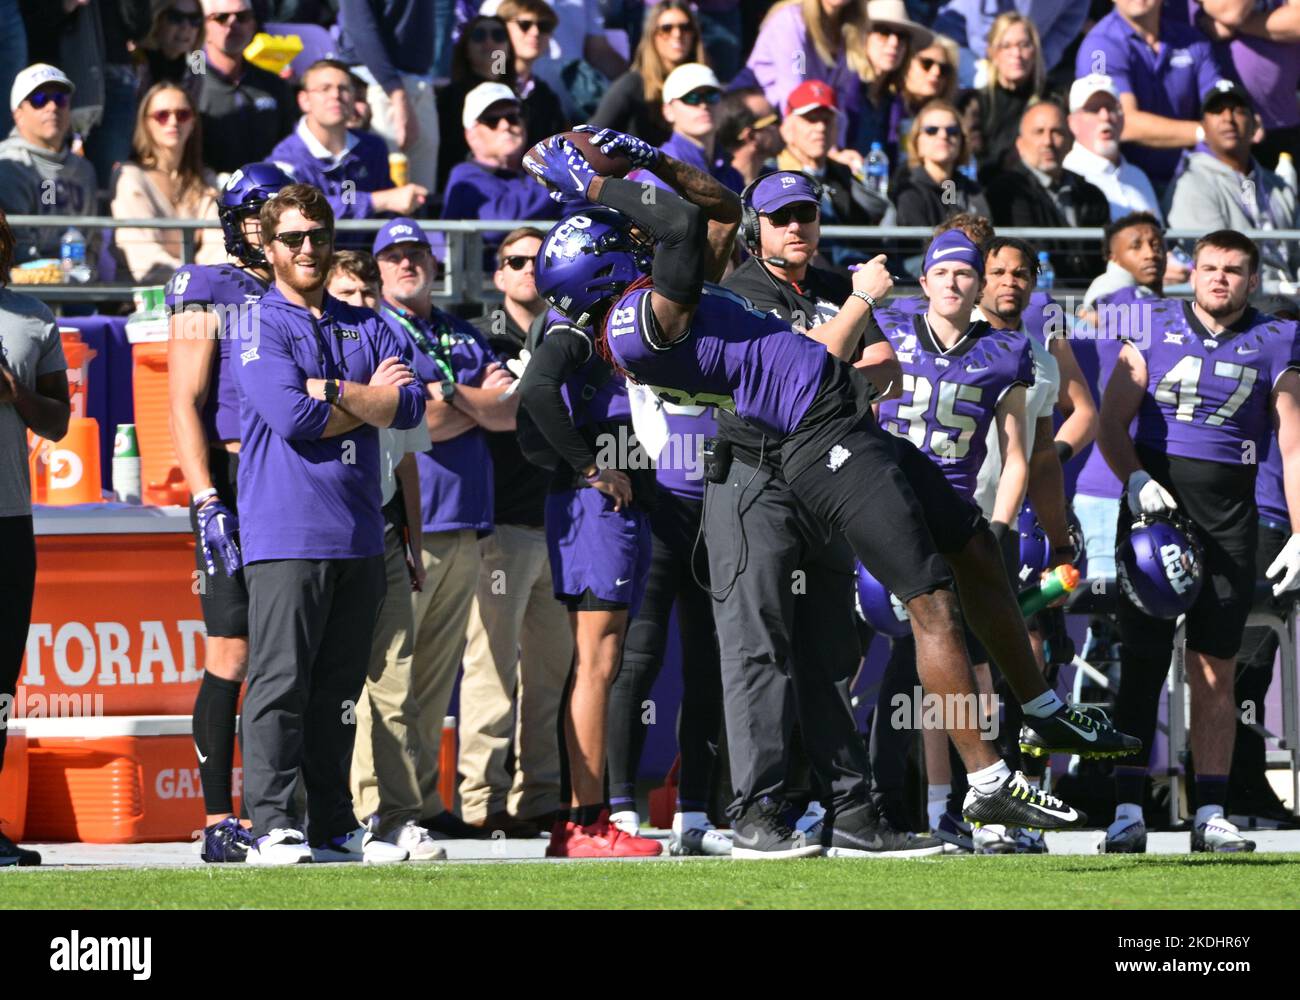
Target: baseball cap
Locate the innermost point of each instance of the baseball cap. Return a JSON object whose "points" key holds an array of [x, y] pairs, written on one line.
{"points": [[483, 97], [1086, 86], [398, 231], [809, 96], [785, 187], [954, 245], [33, 77], [688, 77], [1225, 92]]}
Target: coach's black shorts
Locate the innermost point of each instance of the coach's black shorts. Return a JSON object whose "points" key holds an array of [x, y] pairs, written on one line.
{"points": [[224, 598], [893, 504], [1219, 499]]}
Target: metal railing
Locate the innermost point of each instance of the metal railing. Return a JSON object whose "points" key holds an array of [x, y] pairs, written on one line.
{"points": [[463, 276]]}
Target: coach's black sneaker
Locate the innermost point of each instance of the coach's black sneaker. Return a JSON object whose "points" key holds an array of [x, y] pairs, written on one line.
{"points": [[955, 833], [1086, 732], [1018, 803], [762, 834], [862, 833], [11, 855], [1217, 836], [226, 842]]}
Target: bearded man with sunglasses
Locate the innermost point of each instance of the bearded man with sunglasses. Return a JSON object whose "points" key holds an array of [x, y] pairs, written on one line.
{"points": [[39, 175], [318, 380], [492, 184]]}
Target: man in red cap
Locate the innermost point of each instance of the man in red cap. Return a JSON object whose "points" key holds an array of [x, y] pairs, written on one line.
{"points": [[809, 129]]}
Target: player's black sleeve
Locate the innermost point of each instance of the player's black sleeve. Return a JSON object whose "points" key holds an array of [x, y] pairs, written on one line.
{"points": [[561, 353], [677, 226]]}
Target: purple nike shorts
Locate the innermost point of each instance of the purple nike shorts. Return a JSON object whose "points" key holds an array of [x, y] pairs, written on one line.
{"points": [[593, 547]]}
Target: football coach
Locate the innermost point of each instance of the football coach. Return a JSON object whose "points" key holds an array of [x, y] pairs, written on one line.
{"points": [[317, 378]]}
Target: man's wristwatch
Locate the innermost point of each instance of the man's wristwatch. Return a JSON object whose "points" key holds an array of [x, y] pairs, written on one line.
{"points": [[448, 387], [332, 390], [866, 297]]}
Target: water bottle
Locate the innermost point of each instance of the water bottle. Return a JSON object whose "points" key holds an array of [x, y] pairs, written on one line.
{"points": [[1046, 274], [1054, 584], [72, 255], [878, 170]]}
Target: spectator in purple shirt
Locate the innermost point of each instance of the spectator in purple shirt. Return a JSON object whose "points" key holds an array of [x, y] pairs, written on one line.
{"points": [[1161, 69], [350, 167], [1264, 44], [691, 93], [492, 184]]}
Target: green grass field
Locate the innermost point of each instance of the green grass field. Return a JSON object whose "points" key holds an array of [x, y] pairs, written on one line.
{"points": [[1070, 882]]}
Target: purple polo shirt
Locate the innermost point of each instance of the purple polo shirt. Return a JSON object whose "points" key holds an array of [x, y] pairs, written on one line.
{"points": [[303, 496], [1168, 83], [347, 179], [456, 480], [681, 148]]}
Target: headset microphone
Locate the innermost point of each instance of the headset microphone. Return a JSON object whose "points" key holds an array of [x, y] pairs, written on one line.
{"points": [[778, 261]]}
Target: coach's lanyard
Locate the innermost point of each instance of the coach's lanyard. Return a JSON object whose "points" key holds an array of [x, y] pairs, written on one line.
{"points": [[439, 350]]}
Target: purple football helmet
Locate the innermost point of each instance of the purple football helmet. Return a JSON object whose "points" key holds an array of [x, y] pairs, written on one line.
{"points": [[879, 608], [248, 189], [1159, 565], [1036, 551], [586, 261]]}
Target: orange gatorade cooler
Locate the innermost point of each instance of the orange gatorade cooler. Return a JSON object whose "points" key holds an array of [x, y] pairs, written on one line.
{"points": [[71, 475], [160, 472], [13, 784], [115, 780]]}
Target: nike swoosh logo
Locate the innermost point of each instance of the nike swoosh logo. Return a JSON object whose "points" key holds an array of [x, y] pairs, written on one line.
{"points": [[619, 583], [202, 759], [941, 253], [1058, 814], [744, 841], [1088, 734], [976, 371], [1243, 351]]}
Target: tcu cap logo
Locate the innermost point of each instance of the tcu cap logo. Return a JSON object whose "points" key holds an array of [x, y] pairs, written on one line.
{"points": [[787, 182]]}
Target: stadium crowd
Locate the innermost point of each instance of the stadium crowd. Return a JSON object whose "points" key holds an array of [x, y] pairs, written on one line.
{"points": [[390, 497]]}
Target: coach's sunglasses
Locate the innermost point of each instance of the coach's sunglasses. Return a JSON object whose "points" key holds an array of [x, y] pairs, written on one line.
{"points": [[516, 261], [318, 237], [803, 212], [59, 98]]}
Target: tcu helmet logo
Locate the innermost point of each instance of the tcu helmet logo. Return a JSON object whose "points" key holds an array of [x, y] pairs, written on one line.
{"points": [[1180, 567], [562, 241]]}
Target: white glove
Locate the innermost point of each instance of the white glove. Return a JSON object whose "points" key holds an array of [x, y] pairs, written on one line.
{"points": [[519, 364], [1146, 496], [1287, 564]]}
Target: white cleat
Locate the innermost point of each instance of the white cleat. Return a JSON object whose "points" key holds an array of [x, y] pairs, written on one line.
{"points": [[694, 835], [1217, 836], [628, 820], [993, 838], [359, 845], [280, 847]]}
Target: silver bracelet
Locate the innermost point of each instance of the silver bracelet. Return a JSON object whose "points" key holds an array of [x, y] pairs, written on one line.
{"points": [[866, 297]]}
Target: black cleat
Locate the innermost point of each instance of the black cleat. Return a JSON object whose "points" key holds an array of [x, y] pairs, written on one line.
{"points": [[1018, 803], [1218, 836], [226, 841], [11, 855], [861, 833], [762, 834], [1086, 732]]}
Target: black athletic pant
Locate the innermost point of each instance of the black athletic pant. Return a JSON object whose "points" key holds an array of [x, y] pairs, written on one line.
{"points": [[17, 587], [783, 604], [675, 523], [310, 626]]}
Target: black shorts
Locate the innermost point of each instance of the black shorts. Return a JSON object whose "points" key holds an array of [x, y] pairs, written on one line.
{"points": [[588, 601], [894, 505], [224, 598], [1219, 499]]}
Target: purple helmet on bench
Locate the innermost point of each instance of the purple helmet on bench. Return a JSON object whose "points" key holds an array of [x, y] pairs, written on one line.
{"points": [[248, 189], [1159, 565], [879, 608], [1036, 550], [587, 259]]}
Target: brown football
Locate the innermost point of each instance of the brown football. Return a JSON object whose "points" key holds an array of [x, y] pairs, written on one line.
{"points": [[606, 166]]}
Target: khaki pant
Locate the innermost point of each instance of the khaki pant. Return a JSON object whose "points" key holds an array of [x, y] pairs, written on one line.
{"points": [[422, 158], [518, 650], [451, 560], [383, 775]]}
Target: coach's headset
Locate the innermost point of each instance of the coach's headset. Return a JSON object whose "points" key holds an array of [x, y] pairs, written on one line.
{"points": [[749, 224]]}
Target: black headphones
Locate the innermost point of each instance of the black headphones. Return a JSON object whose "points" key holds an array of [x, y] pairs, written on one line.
{"points": [[749, 226]]}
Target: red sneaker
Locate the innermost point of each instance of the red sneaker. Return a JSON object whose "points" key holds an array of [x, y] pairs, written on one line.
{"points": [[561, 832], [599, 840]]}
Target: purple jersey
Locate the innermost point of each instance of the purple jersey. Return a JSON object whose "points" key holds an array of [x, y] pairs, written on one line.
{"points": [[1208, 397], [1116, 313], [733, 356], [680, 465], [1270, 491], [227, 291], [1037, 319], [950, 395]]}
